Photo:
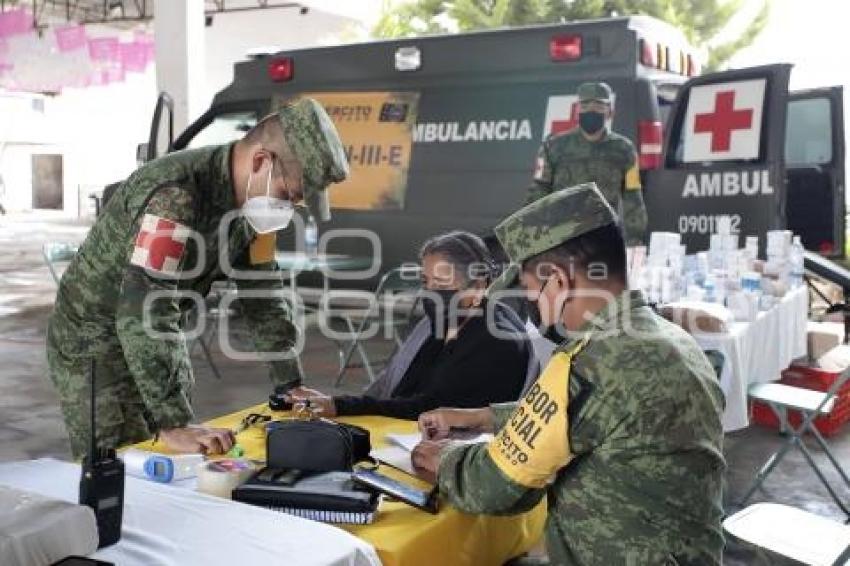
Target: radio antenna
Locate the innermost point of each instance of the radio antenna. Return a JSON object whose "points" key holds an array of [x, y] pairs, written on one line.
{"points": [[92, 410]]}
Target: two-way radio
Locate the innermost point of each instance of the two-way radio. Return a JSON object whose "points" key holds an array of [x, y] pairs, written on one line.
{"points": [[102, 482]]}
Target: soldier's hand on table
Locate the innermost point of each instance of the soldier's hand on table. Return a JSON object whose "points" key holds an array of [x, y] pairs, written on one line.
{"points": [[198, 439], [426, 459], [438, 424]]}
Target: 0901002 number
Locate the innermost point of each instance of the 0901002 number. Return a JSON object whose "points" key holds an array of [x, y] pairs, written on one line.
{"points": [[706, 223]]}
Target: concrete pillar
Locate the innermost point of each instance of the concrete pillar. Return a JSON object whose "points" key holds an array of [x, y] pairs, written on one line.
{"points": [[180, 58]]}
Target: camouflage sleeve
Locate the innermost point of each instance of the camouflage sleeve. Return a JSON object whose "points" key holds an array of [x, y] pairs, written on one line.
{"points": [[501, 413], [543, 175], [470, 481], [510, 473], [634, 210], [148, 309], [269, 314]]}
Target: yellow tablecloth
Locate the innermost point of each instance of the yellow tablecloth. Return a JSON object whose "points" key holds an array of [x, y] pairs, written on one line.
{"points": [[406, 536]]}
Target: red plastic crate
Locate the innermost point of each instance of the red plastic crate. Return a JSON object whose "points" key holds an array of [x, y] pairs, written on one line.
{"points": [[817, 380]]}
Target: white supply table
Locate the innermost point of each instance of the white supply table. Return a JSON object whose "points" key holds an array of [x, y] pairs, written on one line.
{"points": [[758, 351], [168, 526]]}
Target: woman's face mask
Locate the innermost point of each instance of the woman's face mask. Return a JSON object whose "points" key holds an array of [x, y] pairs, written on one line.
{"points": [[438, 307], [266, 213]]}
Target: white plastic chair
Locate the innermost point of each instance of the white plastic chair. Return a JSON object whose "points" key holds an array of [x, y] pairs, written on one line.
{"points": [[792, 533], [811, 404]]}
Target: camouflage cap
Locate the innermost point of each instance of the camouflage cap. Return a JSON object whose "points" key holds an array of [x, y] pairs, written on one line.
{"points": [[312, 137], [549, 222], [599, 92]]}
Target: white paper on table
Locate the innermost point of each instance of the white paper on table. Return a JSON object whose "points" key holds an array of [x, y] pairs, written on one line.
{"points": [[394, 456], [397, 454], [406, 441], [409, 441]]}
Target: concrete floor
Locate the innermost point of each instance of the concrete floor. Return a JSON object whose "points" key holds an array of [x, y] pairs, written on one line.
{"points": [[31, 426]]}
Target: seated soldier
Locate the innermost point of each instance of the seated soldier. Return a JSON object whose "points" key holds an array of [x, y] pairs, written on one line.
{"points": [[459, 355], [621, 431]]}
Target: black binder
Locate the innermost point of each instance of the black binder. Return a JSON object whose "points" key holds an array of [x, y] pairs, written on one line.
{"points": [[329, 497]]}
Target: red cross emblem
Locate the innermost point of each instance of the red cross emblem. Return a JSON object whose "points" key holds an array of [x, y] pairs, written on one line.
{"points": [[159, 244], [559, 126], [723, 121]]}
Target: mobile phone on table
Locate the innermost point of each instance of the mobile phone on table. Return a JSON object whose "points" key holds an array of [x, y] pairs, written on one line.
{"points": [[81, 561], [419, 498]]}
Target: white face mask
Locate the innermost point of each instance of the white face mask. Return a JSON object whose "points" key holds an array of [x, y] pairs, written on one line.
{"points": [[266, 213]]}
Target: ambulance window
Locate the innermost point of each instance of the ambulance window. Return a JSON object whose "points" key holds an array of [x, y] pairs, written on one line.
{"points": [[808, 133], [224, 128]]}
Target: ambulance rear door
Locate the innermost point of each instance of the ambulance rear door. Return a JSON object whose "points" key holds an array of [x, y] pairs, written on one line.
{"points": [[723, 155]]}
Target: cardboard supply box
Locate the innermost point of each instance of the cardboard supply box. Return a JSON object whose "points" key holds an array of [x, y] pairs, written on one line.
{"points": [[823, 337]]}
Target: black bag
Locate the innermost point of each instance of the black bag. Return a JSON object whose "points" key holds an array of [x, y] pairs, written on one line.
{"points": [[317, 445]]}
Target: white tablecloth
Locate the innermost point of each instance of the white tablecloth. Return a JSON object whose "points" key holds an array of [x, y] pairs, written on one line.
{"points": [[168, 526], [758, 351]]}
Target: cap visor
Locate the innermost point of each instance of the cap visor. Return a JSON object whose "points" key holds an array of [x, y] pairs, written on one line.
{"points": [[319, 204]]}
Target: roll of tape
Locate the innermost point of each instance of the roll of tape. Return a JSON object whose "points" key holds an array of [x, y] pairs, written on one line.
{"points": [[221, 477]]}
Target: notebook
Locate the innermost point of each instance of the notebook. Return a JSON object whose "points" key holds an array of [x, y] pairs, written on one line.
{"points": [[329, 497], [397, 453]]}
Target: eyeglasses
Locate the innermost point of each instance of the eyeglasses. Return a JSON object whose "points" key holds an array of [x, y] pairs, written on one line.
{"points": [[295, 165]]}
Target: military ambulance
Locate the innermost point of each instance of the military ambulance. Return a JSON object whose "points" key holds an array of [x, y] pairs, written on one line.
{"points": [[442, 132]]}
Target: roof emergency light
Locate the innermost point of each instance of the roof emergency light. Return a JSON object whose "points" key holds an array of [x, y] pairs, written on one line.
{"points": [[647, 53], [281, 69], [565, 48], [408, 58]]}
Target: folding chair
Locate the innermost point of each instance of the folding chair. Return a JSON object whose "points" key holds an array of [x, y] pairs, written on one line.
{"points": [[397, 281], [810, 404], [214, 312], [792, 533], [58, 252]]}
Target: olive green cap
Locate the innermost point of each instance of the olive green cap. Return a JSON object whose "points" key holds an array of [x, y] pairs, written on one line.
{"points": [[599, 92], [548, 223]]}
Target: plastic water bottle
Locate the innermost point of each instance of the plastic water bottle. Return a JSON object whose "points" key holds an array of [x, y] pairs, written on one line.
{"points": [[796, 261], [311, 237]]}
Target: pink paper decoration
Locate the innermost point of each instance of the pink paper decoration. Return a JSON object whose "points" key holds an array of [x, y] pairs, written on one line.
{"points": [[114, 74], [133, 56], [70, 38], [104, 49], [15, 22]]}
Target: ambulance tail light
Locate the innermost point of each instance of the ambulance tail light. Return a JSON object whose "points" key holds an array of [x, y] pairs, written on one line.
{"points": [[647, 53], [693, 66], [826, 248], [649, 144], [281, 69], [565, 48]]}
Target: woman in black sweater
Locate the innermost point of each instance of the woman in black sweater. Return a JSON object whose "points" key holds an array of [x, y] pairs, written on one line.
{"points": [[468, 355]]}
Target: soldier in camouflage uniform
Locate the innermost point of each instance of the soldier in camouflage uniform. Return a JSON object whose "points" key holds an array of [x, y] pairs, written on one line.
{"points": [[172, 228], [593, 153], [621, 431]]}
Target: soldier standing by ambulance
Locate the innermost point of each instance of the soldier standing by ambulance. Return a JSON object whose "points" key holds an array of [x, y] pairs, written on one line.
{"points": [[591, 152], [622, 430], [172, 228]]}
